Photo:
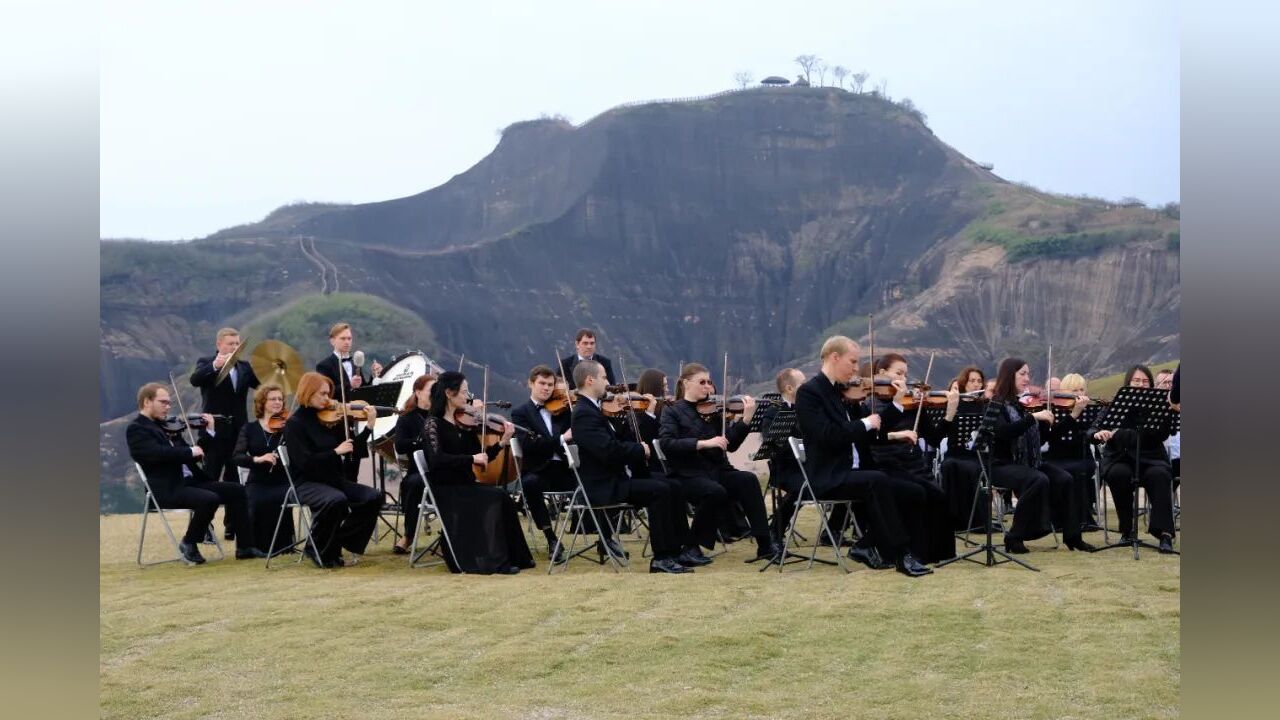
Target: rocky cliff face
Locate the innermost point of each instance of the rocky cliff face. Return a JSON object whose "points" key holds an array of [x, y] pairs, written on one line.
{"points": [[753, 223]]}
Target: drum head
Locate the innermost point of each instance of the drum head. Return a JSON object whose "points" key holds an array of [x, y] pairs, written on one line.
{"points": [[403, 369]]}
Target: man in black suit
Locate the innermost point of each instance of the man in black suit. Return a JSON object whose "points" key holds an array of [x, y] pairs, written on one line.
{"points": [[544, 470], [345, 376], [831, 429], [170, 465], [604, 457], [784, 471], [227, 400], [585, 343]]}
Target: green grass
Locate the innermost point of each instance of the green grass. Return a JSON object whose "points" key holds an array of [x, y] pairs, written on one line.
{"points": [[1088, 636], [1104, 388], [1020, 247]]}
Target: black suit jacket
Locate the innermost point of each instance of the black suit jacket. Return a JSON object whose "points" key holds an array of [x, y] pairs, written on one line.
{"points": [[542, 445], [571, 362], [681, 429], [223, 399], [829, 430], [603, 455], [330, 369], [161, 456]]}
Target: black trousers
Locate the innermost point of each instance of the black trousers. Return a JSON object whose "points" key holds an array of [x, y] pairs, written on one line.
{"points": [[666, 510], [343, 515], [264, 512], [893, 508], [960, 479], [1050, 497], [218, 451], [711, 496], [1081, 470], [202, 498], [1157, 480], [552, 477], [938, 542]]}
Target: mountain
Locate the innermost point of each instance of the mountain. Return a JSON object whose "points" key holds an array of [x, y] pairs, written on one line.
{"points": [[754, 222]]}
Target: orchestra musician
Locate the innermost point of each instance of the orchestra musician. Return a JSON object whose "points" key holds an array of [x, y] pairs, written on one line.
{"points": [[545, 469], [482, 520], [832, 428], [1046, 493], [961, 473], [176, 478], [410, 437], [344, 513], [340, 368], [267, 485], [1118, 457], [1069, 446], [226, 401], [603, 468], [784, 471], [585, 349], [699, 457]]}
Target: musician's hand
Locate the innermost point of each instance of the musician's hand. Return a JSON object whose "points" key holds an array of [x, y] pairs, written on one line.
{"points": [[748, 408], [477, 403], [721, 442], [208, 420], [567, 436], [1176, 406], [197, 452], [873, 421], [1044, 416], [953, 401], [219, 360], [1103, 435], [345, 447], [908, 436], [481, 459], [901, 385], [507, 431], [357, 380], [267, 459], [1082, 401], [646, 450], [377, 368]]}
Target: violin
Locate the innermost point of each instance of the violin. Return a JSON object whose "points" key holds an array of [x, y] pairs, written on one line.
{"points": [[176, 425], [561, 398], [276, 422], [735, 405], [615, 404], [1034, 400], [354, 410]]}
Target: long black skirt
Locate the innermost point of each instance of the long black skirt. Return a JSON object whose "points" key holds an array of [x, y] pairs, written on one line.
{"points": [[484, 530]]}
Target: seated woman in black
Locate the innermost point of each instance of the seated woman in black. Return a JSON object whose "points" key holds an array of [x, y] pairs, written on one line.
{"points": [[481, 520], [267, 484], [1044, 492], [1069, 446], [961, 472], [1118, 456], [410, 437], [344, 513]]}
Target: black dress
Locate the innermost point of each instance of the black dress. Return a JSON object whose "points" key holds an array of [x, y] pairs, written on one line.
{"points": [[1069, 449], [1117, 466], [1046, 497], [961, 471], [266, 486], [481, 520]]}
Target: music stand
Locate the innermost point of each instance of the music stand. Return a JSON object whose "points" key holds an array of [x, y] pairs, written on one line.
{"points": [[776, 434], [757, 420], [385, 394], [1139, 409], [983, 436]]}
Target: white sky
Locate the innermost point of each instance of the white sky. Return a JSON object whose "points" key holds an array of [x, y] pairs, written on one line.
{"points": [[215, 113]]}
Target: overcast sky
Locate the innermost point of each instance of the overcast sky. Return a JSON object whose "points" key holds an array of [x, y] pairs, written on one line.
{"points": [[215, 113]]}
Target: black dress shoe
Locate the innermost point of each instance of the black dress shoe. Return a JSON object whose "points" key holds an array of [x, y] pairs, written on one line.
{"points": [[909, 566], [190, 553], [1091, 527], [870, 557], [692, 557], [508, 570], [249, 553], [1015, 547], [399, 550], [615, 547], [1078, 544], [667, 565], [1166, 544], [773, 553], [228, 535]]}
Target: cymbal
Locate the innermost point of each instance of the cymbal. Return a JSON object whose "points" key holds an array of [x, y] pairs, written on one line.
{"points": [[276, 363], [230, 363]]}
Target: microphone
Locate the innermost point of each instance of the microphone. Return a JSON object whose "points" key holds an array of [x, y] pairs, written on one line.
{"points": [[357, 358]]}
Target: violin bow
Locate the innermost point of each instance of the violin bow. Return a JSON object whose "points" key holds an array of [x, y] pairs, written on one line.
{"points": [[190, 438], [871, 367], [631, 412], [564, 376], [724, 401], [920, 405]]}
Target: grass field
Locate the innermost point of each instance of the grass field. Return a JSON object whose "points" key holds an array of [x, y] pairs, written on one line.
{"points": [[1089, 636]]}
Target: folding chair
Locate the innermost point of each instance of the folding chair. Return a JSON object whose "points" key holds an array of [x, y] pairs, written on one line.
{"points": [[517, 456], [291, 502], [427, 506], [243, 472], [807, 498], [579, 503], [150, 505], [662, 458]]}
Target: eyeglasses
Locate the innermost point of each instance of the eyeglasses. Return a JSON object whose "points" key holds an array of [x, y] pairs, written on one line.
{"points": [[704, 382]]}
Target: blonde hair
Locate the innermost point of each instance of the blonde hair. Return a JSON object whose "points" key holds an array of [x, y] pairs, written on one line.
{"points": [[1071, 382], [225, 332], [838, 344], [148, 392], [337, 328]]}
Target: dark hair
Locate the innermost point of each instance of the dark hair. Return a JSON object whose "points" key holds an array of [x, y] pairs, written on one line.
{"points": [[1128, 377], [584, 332], [888, 359], [541, 371], [1006, 388], [650, 382], [449, 380], [421, 382], [963, 378], [584, 370]]}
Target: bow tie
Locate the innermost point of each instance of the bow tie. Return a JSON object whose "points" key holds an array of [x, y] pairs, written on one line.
{"points": [[540, 405]]}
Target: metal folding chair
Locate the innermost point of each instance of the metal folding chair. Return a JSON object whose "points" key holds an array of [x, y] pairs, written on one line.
{"points": [[579, 503], [807, 498], [152, 505], [291, 502], [427, 506]]}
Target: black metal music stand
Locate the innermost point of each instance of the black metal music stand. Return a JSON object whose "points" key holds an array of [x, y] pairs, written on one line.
{"points": [[385, 394], [1138, 409], [964, 428], [983, 437], [757, 420]]}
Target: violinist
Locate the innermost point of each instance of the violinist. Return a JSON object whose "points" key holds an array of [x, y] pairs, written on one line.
{"points": [[1044, 491], [267, 485], [178, 481], [545, 470], [897, 453], [1118, 457], [410, 438], [340, 367], [1069, 444], [482, 520], [699, 457], [833, 427], [344, 513], [604, 458], [1173, 446], [584, 342], [961, 473]]}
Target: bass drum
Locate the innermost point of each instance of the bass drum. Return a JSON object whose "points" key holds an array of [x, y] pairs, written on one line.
{"points": [[403, 369]]}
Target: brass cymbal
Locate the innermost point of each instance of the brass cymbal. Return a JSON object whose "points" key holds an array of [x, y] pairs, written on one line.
{"points": [[276, 363], [231, 362]]}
